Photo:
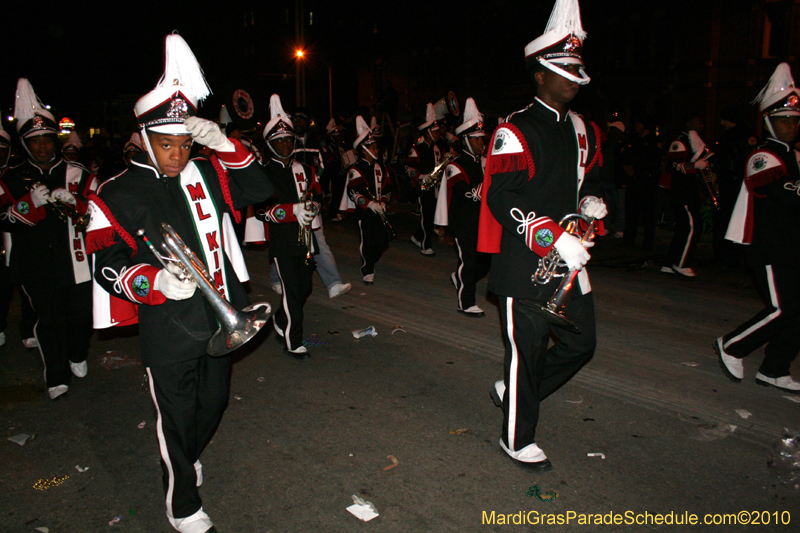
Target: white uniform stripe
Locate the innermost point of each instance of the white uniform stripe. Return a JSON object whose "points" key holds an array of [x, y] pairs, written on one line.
{"points": [[285, 304], [361, 245], [162, 446], [688, 237], [35, 336], [460, 287], [511, 391], [773, 298], [422, 222]]}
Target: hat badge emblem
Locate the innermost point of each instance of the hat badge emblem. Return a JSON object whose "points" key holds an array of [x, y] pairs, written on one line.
{"points": [[792, 101], [178, 109], [37, 123], [573, 44]]}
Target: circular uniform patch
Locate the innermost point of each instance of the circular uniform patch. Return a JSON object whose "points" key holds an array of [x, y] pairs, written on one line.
{"points": [[280, 214], [759, 162], [141, 286], [498, 143], [361, 200], [544, 237], [23, 208]]}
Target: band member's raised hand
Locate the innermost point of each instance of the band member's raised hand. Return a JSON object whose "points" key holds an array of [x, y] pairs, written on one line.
{"points": [[208, 134], [40, 194], [64, 195], [168, 283], [375, 207], [701, 164], [304, 216], [573, 251], [594, 207]]}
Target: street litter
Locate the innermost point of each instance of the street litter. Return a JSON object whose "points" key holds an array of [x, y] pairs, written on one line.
{"points": [[358, 333], [81, 469], [536, 492], [260, 379], [795, 399], [600, 455], [20, 439], [461, 431], [237, 397], [115, 520], [783, 460], [394, 461], [691, 364], [141, 425], [117, 361], [744, 413], [398, 328], [362, 509], [714, 431], [575, 401], [44, 484], [43, 529]]}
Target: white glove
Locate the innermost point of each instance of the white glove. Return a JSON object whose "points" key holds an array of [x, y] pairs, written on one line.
{"points": [[304, 216], [594, 207], [64, 195], [375, 207], [701, 164], [40, 194], [572, 251], [208, 134], [169, 285]]}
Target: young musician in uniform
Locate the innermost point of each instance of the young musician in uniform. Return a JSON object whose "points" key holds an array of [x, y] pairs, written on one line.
{"points": [[292, 214], [48, 256], [189, 387], [541, 160], [459, 209], [769, 200], [423, 157], [367, 194]]}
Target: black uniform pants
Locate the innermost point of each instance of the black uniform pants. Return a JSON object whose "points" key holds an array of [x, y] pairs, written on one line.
{"points": [[640, 207], [427, 210], [374, 241], [777, 325], [64, 327], [190, 398], [296, 286], [471, 267], [532, 371], [687, 233]]}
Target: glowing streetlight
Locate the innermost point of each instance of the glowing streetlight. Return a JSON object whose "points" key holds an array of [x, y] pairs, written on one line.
{"points": [[299, 53]]}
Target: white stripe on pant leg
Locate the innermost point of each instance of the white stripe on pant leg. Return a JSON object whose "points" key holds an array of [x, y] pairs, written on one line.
{"points": [[361, 246], [459, 270], [285, 303], [35, 336], [162, 446], [688, 238], [511, 386], [774, 300], [422, 224]]}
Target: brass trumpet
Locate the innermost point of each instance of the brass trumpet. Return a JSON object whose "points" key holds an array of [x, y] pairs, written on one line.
{"points": [[384, 217], [433, 179], [553, 310], [709, 178], [236, 327], [61, 209], [304, 235]]}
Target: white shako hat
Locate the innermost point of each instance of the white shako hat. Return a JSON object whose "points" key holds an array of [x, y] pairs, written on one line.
{"points": [[175, 98], [333, 128], [373, 125], [29, 112], [430, 119], [780, 97], [134, 143], [279, 125], [363, 133], [224, 116], [73, 143], [472, 121], [562, 41]]}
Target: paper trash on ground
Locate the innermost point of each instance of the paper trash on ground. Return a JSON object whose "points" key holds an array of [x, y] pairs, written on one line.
{"points": [[362, 509]]}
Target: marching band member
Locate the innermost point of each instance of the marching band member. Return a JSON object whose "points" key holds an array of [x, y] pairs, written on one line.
{"points": [[132, 147], [423, 157], [48, 256], [71, 150], [542, 158], [768, 199], [292, 214], [189, 388], [459, 209], [367, 194]]}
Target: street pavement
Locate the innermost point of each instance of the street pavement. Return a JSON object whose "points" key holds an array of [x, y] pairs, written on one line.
{"points": [[404, 419]]}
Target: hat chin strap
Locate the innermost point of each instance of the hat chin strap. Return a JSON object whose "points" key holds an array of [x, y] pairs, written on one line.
{"points": [[149, 149], [583, 80], [279, 156]]}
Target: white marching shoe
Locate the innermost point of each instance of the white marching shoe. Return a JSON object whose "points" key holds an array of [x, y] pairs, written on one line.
{"points": [[338, 288], [784, 382], [79, 369], [57, 391]]}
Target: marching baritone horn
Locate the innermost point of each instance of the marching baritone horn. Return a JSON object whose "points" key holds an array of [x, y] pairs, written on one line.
{"points": [[236, 327], [553, 310], [433, 179]]}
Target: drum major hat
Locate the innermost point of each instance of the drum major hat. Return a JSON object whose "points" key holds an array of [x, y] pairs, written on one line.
{"points": [[279, 125], [180, 89], [472, 122], [780, 97], [363, 133], [31, 115], [430, 119], [562, 42]]}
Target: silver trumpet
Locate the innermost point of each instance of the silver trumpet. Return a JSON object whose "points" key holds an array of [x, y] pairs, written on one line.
{"points": [[553, 310], [236, 327]]}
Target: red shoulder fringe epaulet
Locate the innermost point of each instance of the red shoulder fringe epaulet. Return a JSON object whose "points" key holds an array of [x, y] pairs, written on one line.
{"points": [[223, 183], [98, 239], [598, 153], [514, 162]]}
